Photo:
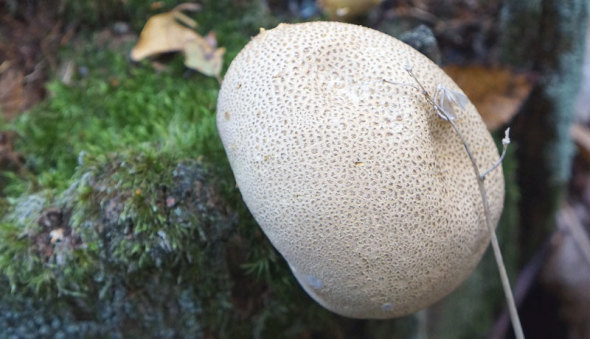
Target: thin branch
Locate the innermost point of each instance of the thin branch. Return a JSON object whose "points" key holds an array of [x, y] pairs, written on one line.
{"points": [[522, 287], [495, 246], [480, 182], [505, 143]]}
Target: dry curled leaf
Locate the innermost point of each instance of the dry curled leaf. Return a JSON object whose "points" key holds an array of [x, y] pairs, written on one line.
{"points": [[344, 10], [164, 33], [173, 32], [497, 93], [204, 56]]}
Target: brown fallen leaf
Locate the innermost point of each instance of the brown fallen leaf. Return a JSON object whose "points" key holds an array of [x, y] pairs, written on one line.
{"points": [[204, 56], [497, 93], [162, 33], [344, 10], [173, 32], [28, 43], [156, 5]]}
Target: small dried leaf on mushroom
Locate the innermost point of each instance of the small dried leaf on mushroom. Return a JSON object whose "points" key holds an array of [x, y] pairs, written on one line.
{"points": [[447, 99]]}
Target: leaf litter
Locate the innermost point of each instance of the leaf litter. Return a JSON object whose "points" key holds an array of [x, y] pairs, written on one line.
{"points": [[174, 31], [497, 93]]}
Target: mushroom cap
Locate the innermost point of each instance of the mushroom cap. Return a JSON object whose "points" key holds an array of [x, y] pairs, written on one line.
{"points": [[366, 192]]}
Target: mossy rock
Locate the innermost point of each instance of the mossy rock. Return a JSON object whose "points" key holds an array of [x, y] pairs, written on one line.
{"points": [[135, 245]]}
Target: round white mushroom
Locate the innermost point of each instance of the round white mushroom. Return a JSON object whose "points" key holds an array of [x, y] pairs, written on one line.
{"points": [[355, 179]]}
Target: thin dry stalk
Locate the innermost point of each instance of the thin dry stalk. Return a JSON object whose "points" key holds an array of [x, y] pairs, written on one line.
{"points": [[480, 182]]}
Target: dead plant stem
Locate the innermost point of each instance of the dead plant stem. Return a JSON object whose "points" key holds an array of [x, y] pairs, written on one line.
{"points": [[480, 182], [495, 246]]}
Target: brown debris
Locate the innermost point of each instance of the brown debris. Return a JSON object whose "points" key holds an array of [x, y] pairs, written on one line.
{"points": [[497, 93], [27, 48], [11, 91], [55, 236], [10, 160], [50, 219], [174, 32], [165, 32]]}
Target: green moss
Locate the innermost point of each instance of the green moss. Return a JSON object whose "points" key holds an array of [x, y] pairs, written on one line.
{"points": [[113, 105], [93, 14], [123, 220], [148, 246], [132, 108], [18, 261]]}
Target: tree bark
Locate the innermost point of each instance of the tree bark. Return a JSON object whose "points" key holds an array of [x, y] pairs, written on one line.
{"points": [[548, 38]]}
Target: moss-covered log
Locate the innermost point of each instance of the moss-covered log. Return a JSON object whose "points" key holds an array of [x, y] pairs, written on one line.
{"points": [[135, 245]]}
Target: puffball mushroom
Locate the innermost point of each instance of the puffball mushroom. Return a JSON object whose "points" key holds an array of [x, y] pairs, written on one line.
{"points": [[367, 193]]}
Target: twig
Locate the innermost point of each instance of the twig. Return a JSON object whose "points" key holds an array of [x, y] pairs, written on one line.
{"points": [[495, 246], [505, 143], [480, 182]]}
